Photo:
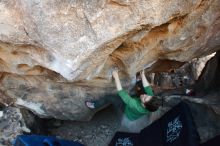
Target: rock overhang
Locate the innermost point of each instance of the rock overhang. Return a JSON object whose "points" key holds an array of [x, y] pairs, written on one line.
{"points": [[77, 45]]}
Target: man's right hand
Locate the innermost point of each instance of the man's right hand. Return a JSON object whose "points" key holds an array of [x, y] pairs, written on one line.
{"points": [[142, 73], [115, 74]]}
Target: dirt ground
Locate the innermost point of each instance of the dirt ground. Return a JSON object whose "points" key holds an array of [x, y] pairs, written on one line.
{"points": [[97, 132], [101, 129]]}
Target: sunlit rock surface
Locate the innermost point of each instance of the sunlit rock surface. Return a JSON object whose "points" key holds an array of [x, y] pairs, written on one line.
{"points": [[54, 55]]}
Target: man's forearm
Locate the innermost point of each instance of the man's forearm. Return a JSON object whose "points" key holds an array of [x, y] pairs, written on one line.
{"points": [[118, 84], [144, 80], [117, 81]]}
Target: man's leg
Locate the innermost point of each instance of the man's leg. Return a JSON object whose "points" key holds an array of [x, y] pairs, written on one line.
{"points": [[117, 104], [134, 126], [107, 99]]}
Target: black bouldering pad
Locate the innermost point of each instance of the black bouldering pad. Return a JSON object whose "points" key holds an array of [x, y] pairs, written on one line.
{"points": [[125, 139], [212, 142], [175, 128]]}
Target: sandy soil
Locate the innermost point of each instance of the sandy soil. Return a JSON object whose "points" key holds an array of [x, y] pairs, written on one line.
{"points": [[97, 132]]}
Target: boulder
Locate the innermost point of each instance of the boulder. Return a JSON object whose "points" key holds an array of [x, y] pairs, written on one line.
{"points": [[56, 54], [185, 76], [11, 125]]}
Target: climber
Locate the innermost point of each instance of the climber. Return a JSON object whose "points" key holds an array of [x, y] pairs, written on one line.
{"points": [[137, 110]]}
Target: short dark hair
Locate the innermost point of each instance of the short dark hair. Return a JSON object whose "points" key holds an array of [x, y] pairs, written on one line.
{"points": [[153, 104]]}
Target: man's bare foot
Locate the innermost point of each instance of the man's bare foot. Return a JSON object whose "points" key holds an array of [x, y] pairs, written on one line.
{"points": [[90, 104]]}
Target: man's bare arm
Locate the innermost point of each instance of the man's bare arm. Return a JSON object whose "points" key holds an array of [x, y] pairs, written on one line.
{"points": [[117, 80], [144, 80]]}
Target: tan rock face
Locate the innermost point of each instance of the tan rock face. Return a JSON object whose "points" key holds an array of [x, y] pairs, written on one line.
{"points": [[74, 45]]}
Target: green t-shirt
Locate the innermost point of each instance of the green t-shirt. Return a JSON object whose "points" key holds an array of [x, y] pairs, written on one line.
{"points": [[133, 107]]}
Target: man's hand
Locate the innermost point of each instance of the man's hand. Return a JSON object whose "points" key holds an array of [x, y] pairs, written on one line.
{"points": [[142, 73], [115, 74]]}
